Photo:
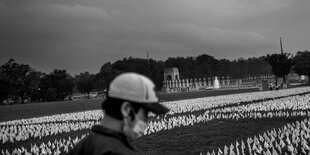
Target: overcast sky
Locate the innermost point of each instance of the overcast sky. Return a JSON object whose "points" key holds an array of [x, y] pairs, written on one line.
{"points": [[82, 35]]}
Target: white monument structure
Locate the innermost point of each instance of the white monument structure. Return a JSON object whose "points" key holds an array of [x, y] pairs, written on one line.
{"points": [[216, 83], [171, 74], [173, 83]]}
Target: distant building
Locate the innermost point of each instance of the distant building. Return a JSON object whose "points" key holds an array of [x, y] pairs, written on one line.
{"points": [[171, 74], [293, 77]]}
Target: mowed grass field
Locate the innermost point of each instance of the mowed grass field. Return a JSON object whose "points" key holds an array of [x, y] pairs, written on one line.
{"points": [[203, 137], [22, 111]]}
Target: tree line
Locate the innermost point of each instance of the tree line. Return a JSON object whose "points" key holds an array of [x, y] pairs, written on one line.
{"points": [[20, 82]]}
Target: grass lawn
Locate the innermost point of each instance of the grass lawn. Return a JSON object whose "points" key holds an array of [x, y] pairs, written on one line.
{"points": [[205, 137], [21, 111]]}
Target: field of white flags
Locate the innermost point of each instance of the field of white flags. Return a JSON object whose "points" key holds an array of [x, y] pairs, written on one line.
{"points": [[292, 138], [270, 122]]}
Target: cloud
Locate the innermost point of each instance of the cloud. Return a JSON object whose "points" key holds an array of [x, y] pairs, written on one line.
{"points": [[80, 35], [188, 33]]}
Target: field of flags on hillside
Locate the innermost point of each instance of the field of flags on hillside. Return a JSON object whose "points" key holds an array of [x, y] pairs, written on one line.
{"points": [[293, 138]]}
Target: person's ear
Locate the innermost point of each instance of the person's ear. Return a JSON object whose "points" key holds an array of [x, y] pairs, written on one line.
{"points": [[125, 109]]}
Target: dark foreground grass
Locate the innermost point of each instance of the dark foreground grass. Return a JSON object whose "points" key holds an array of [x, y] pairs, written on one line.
{"points": [[22, 111], [204, 137], [201, 137]]}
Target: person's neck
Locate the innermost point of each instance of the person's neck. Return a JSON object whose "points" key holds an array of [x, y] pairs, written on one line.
{"points": [[111, 123]]}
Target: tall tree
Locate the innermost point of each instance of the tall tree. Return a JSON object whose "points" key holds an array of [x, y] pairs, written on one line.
{"points": [[281, 64], [302, 66], [99, 82], [187, 66], [33, 80], [149, 68], [6, 83], [205, 64], [62, 82], [22, 80], [6, 89], [45, 84], [108, 73], [19, 80], [84, 82]]}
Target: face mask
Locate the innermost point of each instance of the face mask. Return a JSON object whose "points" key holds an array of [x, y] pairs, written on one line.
{"points": [[138, 128]]}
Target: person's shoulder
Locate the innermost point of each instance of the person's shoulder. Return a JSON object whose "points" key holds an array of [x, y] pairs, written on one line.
{"points": [[98, 144], [108, 145]]}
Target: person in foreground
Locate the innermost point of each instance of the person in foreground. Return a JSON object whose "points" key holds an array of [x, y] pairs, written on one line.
{"points": [[130, 98]]}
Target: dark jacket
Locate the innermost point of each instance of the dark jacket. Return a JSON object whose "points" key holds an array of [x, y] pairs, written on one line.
{"points": [[103, 141]]}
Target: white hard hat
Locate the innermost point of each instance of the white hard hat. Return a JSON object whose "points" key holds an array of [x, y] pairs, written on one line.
{"points": [[136, 88]]}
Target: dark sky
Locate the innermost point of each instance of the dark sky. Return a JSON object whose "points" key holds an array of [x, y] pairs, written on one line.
{"points": [[82, 35]]}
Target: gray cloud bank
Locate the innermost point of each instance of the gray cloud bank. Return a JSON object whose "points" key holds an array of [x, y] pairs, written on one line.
{"points": [[80, 35]]}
